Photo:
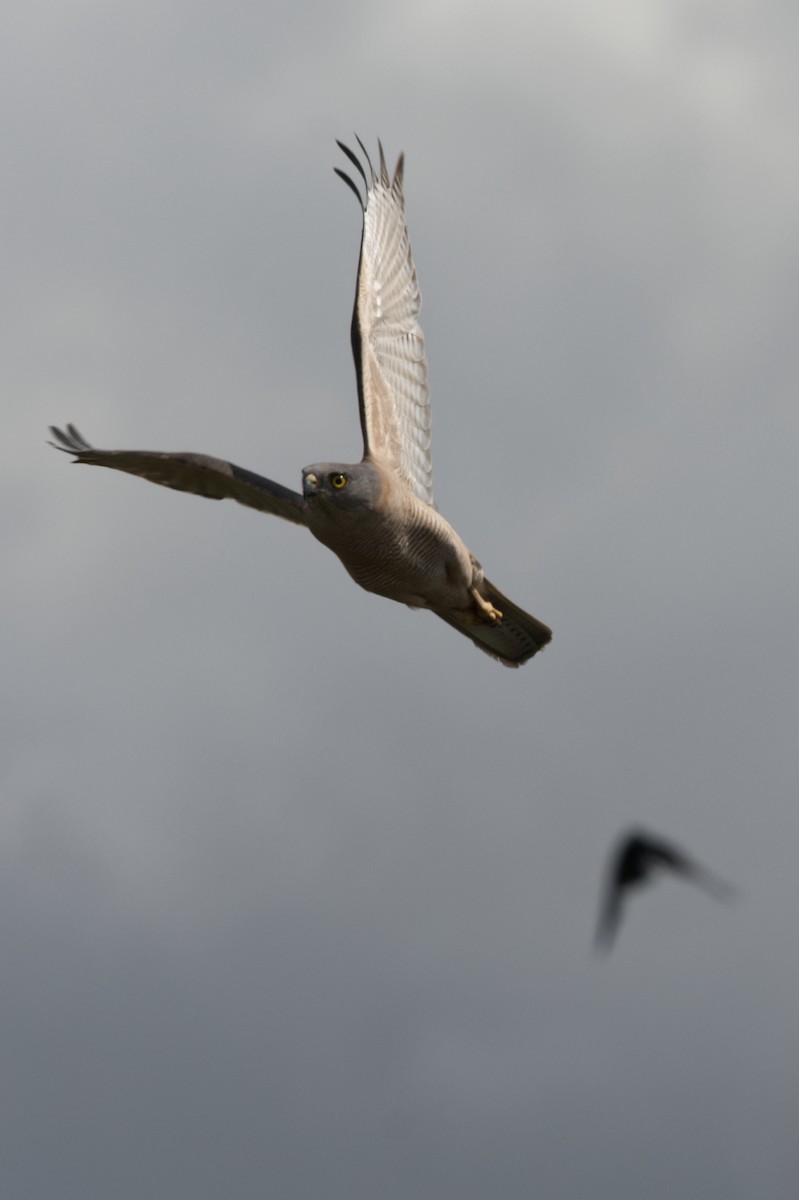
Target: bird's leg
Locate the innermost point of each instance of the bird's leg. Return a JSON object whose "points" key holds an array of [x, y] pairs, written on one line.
{"points": [[490, 614]]}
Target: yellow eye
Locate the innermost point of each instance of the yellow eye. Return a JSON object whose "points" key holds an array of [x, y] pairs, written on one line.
{"points": [[339, 481]]}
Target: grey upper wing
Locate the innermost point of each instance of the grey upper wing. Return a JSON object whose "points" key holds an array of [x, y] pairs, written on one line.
{"points": [[197, 473], [387, 340]]}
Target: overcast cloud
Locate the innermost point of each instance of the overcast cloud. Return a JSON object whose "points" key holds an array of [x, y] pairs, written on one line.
{"points": [[298, 890]]}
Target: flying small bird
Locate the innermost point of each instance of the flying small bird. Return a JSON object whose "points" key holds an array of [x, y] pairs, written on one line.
{"points": [[635, 859], [377, 515]]}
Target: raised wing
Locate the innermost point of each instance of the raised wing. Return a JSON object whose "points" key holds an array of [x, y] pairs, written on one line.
{"points": [[197, 473], [387, 340]]}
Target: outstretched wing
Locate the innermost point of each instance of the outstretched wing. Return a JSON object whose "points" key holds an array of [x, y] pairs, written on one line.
{"points": [[670, 857], [609, 914], [387, 340], [198, 473], [628, 867]]}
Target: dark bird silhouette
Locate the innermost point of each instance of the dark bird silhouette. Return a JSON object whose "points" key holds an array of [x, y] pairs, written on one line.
{"points": [[636, 858]]}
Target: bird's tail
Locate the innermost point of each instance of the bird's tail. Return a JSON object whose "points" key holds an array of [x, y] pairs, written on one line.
{"points": [[514, 638]]}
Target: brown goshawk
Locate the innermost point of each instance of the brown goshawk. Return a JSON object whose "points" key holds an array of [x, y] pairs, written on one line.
{"points": [[378, 515]]}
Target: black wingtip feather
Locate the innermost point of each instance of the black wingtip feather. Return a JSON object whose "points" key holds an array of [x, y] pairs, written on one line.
{"points": [[71, 442], [356, 162], [384, 176], [350, 184], [381, 176], [368, 159]]}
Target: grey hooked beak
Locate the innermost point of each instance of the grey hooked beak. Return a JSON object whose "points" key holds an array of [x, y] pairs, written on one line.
{"points": [[310, 483]]}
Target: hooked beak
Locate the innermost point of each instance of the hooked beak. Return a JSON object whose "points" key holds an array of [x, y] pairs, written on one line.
{"points": [[310, 483]]}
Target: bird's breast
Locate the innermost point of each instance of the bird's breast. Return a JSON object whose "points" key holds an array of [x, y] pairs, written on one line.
{"points": [[413, 556]]}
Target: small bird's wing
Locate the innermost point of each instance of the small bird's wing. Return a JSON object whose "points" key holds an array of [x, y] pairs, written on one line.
{"points": [[609, 913], [711, 883], [387, 340], [669, 857], [629, 866], [197, 473]]}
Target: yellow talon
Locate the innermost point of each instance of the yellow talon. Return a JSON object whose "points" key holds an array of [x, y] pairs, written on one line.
{"points": [[488, 610]]}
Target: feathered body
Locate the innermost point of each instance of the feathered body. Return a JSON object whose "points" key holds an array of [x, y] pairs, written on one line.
{"points": [[414, 556]]}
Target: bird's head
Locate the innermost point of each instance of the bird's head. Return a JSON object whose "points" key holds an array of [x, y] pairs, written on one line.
{"points": [[341, 487]]}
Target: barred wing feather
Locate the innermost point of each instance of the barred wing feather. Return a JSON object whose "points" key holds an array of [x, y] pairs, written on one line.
{"points": [[387, 340]]}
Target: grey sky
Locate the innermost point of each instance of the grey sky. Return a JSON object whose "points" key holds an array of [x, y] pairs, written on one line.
{"points": [[298, 888]]}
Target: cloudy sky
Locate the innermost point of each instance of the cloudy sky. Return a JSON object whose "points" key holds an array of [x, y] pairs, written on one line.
{"points": [[298, 889]]}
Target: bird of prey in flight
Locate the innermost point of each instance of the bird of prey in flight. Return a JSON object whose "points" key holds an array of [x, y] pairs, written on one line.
{"points": [[635, 859], [377, 515]]}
